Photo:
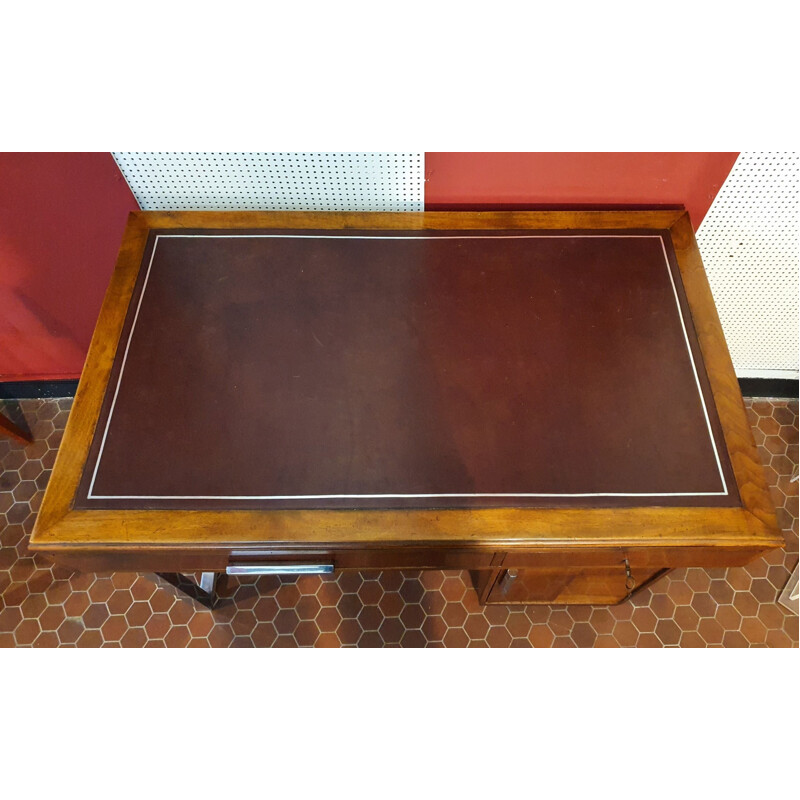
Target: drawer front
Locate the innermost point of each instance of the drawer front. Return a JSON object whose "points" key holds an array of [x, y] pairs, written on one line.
{"points": [[567, 585], [179, 560], [564, 558], [642, 558], [414, 558], [143, 560], [390, 558]]}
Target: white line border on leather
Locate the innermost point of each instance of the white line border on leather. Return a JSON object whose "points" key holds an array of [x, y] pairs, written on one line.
{"points": [[91, 496]]}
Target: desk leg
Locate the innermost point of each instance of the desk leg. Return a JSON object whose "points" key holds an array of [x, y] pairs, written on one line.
{"points": [[203, 592], [208, 581], [9, 428]]}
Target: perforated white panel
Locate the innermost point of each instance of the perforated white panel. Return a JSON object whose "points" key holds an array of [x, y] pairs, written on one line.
{"points": [[750, 244], [276, 181]]}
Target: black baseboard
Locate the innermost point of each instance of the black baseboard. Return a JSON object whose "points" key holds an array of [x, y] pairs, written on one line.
{"points": [[25, 390], [769, 387]]}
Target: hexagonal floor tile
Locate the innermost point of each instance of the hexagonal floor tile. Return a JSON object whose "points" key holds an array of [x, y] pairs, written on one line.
{"points": [[46, 606]]}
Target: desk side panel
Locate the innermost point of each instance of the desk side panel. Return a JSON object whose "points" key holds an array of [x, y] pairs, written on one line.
{"points": [[435, 220], [739, 440], [490, 528], [80, 427]]}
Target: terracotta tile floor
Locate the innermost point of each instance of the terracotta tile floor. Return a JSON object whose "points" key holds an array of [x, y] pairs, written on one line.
{"points": [[47, 606]]}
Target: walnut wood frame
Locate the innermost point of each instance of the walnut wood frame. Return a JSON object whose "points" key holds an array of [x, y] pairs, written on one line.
{"points": [[463, 538]]}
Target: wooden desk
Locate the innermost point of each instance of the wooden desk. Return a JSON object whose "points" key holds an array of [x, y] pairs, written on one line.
{"points": [[544, 398]]}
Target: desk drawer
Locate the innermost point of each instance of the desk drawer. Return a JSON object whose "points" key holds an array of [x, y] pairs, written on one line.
{"points": [[561, 585], [188, 560], [389, 558]]}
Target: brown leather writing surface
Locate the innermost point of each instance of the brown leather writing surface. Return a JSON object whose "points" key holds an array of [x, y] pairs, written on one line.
{"points": [[420, 369]]}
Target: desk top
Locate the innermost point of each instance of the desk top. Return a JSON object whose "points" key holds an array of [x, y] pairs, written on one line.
{"points": [[368, 369], [526, 363]]}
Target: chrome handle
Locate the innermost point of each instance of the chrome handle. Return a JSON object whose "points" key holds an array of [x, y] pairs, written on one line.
{"points": [[279, 569], [507, 580]]}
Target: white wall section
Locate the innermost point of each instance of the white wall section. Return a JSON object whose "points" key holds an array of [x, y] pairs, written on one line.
{"points": [[750, 244], [276, 181]]}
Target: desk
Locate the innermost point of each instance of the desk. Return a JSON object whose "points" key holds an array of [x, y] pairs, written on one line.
{"points": [[543, 398]]}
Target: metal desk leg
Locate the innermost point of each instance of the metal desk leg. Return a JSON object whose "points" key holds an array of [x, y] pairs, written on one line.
{"points": [[203, 592], [208, 581], [9, 428]]}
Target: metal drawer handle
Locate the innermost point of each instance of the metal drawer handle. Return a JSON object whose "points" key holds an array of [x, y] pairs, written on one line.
{"points": [[630, 581], [279, 569]]}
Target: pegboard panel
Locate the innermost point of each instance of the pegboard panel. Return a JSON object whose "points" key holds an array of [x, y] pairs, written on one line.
{"points": [[750, 244], [275, 181]]}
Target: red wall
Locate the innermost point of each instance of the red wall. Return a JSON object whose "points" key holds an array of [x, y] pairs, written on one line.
{"points": [[61, 221], [527, 180]]}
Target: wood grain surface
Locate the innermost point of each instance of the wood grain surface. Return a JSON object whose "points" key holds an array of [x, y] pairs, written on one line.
{"points": [[704, 534]]}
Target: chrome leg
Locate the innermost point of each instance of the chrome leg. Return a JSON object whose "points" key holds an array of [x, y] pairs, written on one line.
{"points": [[207, 582], [202, 592]]}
